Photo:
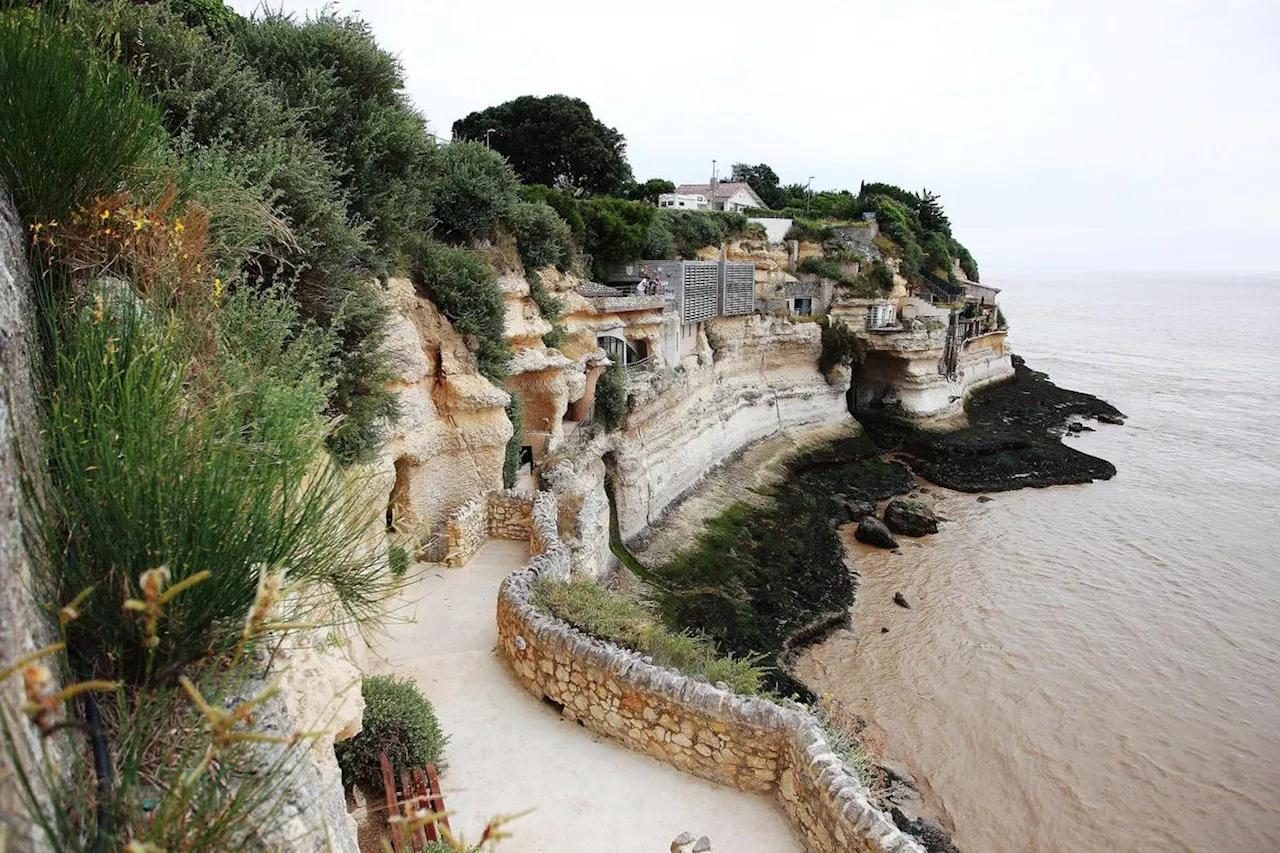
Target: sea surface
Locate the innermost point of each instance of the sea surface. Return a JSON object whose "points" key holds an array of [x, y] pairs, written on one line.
{"points": [[1097, 668]]}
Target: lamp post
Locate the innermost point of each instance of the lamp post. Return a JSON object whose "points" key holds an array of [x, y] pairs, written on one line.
{"points": [[486, 135], [808, 196]]}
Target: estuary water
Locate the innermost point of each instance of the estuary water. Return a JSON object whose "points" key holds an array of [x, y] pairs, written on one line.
{"points": [[1097, 668]]}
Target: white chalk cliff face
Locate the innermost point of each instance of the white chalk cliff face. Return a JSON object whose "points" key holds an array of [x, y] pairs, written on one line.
{"points": [[763, 379], [450, 440]]}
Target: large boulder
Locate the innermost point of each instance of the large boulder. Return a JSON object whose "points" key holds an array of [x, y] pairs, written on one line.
{"points": [[858, 510], [910, 518], [872, 531]]}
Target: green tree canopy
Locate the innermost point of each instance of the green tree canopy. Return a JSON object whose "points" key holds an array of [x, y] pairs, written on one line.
{"points": [[763, 180], [650, 190], [554, 140]]}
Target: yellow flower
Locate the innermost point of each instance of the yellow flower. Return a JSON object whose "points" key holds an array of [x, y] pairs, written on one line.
{"points": [[178, 227], [217, 289], [106, 214]]}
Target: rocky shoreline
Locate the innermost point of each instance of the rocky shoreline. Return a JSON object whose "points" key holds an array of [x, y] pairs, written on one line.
{"points": [[1013, 441]]}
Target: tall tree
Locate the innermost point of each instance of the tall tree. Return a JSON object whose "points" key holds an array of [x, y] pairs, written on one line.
{"points": [[932, 216], [763, 180], [554, 140]]}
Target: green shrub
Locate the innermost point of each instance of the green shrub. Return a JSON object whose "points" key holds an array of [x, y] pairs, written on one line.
{"points": [[465, 290], [398, 561], [611, 398], [616, 231], [542, 237], [881, 276], [472, 187], [565, 205], [610, 616], [399, 721], [809, 231], [72, 124], [548, 305], [231, 120], [820, 266], [511, 461], [348, 96], [848, 747], [659, 242], [234, 482], [967, 262], [554, 338], [840, 346]]}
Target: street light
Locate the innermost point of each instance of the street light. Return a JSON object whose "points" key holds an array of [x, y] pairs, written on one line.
{"points": [[486, 135], [808, 200]]}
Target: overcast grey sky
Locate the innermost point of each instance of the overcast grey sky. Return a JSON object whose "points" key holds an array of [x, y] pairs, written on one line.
{"points": [[1114, 134]]}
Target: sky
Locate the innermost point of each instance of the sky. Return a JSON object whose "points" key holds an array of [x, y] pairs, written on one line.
{"points": [[1093, 134]]}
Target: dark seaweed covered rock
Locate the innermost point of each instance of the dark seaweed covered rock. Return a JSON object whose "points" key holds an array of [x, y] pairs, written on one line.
{"points": [[1014, 439], [932, 836], [910, 518], [858, 510], [872, 531]]}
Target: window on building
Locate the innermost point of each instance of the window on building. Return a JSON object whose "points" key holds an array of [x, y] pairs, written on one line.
{"points": [[802, 307]]}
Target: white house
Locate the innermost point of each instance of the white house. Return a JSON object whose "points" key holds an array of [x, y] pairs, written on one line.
{"points": [[723, 196], [690, 201]]}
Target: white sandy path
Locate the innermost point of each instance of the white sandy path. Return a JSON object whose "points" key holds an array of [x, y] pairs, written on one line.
{"points": [[509, 752]]}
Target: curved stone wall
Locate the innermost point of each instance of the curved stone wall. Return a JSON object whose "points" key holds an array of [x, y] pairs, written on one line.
{"points": [[748, 742]]}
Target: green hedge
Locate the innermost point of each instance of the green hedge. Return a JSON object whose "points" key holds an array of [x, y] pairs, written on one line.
{"points": [[611, 398], [511, 459], [399, 721]]}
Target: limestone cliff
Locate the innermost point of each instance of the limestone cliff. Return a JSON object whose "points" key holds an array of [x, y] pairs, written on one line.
{"points": [[449, 442]]}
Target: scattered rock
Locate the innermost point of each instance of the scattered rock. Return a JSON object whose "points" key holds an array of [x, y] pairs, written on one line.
{"points": [[985, 499], [703, 845], [872, 531], [858, 510], [923, 490], [910, 518], [1109, 418], [884, 630], [900, 600], [1075, 426], [931, 834], [682, 843]]}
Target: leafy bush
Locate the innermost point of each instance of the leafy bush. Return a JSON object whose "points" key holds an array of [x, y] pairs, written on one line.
{"points": [[465, 290], [232, 120], [71, 123], [616, 231], [881, 277], [840, 346], [610, 616], [472, 188], [691, 230], [348, 97], [611, 398], [565, 205], [398, 721], [659, 242], [398, 561], [511, 461], [548, 305], [231, 486], [554, 338], [937, 255], [820, 266], [967, 263], [809, 231], [542, 237]]}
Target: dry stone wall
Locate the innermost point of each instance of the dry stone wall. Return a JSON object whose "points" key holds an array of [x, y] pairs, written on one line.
{"points": [[498, 514], [748, 742]]}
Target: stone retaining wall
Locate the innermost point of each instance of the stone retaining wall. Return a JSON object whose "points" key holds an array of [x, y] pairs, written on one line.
{"points": [[498, 514], [750, 743]]}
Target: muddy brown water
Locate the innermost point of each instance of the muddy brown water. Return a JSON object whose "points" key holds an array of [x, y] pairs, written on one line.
{"points": [[1097, 668]]}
